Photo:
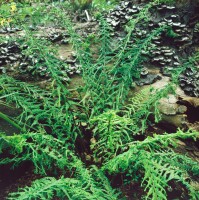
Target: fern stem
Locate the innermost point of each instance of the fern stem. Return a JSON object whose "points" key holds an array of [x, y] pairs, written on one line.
{"points": [[6, 118]]}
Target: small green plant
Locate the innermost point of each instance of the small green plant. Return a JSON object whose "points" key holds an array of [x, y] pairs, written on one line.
{"points": [[110, 132], [115, 128], [170, 33], [159, 164], [17, 14]]}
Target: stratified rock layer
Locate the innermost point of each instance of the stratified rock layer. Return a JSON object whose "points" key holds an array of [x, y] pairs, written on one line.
{"points": [[168, 50]]}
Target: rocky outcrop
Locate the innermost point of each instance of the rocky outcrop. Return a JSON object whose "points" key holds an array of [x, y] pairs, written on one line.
{"points": [[169, 50], [177, 110], [13, 60]]}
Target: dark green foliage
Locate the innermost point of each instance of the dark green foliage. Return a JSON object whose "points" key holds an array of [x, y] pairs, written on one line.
{"points": [[51, 124], [70, 188], [43, 150], [40, 108], [158, 170], [142, 107]]}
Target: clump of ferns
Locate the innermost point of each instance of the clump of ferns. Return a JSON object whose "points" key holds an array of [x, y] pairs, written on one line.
{"points": [[93, 186], [40, 109], [107, 84], [114, 128], [155, 159], [50, 154]]}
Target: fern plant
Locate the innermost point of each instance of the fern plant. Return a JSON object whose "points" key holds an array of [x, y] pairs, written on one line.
{"points": [[115, 128], [70, 188], [44, 151], [144, 104], [50, 124], [47, 188], [144, 157], [110, 132], [88, 184], [107, 84]]}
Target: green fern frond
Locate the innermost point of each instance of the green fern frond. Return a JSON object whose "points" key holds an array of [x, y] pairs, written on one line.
{"points": [[136, 102], [110, 132], [43, 150], [48, 188], [39, 107], [158, 170], [64, 188], [15, 143], [105, 41], [145, 103]]}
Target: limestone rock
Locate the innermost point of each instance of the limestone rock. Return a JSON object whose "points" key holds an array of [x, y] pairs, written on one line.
{"points": [[169, 106]]}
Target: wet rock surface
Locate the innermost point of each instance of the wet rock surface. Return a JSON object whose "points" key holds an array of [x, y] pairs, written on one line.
{"points": [[169, 106], [122, 14], [189, 81], [168, 50], [61, 37], [12, 59], [147, 78], [10, 53], [177, 110], [7, 30]]}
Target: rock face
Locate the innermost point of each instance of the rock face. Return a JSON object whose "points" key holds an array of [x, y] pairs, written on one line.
{"points": [[8, 29], [169, 106], [10, 53], [147, 78], [189, 81], [177, 110], [122, 14], [168, 50], [55, 36], [13, 59], [173, 114]]}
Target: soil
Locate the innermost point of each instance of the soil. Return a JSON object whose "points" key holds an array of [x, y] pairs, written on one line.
{"points": [[12, 179]]}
